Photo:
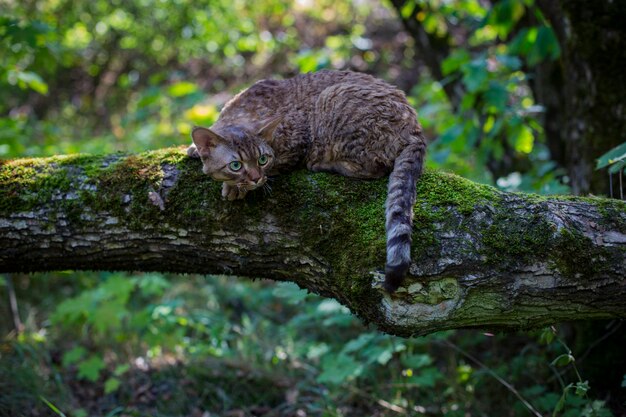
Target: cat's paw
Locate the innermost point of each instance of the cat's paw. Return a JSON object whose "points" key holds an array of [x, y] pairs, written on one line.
{"points": [[230, 192], [192, 151]]}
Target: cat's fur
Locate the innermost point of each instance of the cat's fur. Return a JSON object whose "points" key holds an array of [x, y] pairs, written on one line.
{"points": [[335, 121]]}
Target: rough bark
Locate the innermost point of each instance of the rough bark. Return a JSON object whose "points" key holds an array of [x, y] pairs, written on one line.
{"points": [[481, 258], [584, 91]]}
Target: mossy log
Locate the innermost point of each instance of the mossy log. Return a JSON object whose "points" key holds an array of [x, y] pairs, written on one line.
{"points": [[481, 258]]}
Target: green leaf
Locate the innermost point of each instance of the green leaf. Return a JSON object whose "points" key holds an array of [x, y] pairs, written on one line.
{"points": [[111, 385], [384, 355], [496, 97], [427, 377], [547, 44], [153, 284], [546, 336], [542, 45], [149, 97], [182, 88], [378, 354], [121, 370], [450, 135], [52, 406], [614, 155], [290, 292], [618, 166], [71, 311], [90, 369], [338, 368], [563, 360], [509, 61], [454, 61], [503, 16], [525, 140], [559, 406], [27, 79], [359, 342], [74, 355], [523, 41], [582, 388], [407, 9], [417, 361], [475, 75], [118, 287], [107, 316]]}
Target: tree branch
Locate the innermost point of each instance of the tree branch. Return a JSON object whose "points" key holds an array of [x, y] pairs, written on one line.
{"points": [[482, 258], [432, 48]]}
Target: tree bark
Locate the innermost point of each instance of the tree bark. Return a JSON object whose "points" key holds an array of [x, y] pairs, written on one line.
{"points": [[481, 257], [584, 91]]}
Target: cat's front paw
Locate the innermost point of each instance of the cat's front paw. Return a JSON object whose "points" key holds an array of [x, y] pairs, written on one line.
{"points": [[192, 151], [232, 192]]}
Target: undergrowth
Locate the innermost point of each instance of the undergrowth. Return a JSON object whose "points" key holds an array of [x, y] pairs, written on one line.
{"points": [[151, 345]]}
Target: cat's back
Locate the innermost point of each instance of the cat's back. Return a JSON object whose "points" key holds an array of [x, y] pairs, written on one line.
{"points": [[297, 95], [283, 93], [314, 83], [254, 104]]}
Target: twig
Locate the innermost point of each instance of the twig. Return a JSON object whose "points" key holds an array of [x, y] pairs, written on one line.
{"points": [[493, 374], [600, 340], [15, 314]]}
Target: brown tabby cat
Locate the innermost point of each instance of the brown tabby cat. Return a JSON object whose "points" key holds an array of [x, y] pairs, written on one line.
{"points": [[335, 121]]}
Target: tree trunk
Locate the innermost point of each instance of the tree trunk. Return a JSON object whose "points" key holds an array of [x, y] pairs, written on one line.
{"points": [[584, 91], [481, 258]]}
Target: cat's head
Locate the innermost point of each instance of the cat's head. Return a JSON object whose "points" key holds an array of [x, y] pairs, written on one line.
{"points": [[236, 155]]}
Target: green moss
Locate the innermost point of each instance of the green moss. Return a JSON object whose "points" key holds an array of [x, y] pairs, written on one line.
{"points": [[54, 183], [27, 182], [513, 239], [575, 255], [444, 189], [435, 291], [346, 223], [124, 186], [613, 213]]}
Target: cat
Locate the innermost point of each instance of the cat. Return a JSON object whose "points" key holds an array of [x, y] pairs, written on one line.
{"points": [[342, 122]]}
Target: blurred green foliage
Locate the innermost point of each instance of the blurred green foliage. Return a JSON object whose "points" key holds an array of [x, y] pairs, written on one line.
{"points": [[103, 76], [165, 346], [497, 118], [615, 159]]}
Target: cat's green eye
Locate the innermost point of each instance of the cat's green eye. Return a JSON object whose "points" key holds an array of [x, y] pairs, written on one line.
{"points": [[235, 165], [263, 159]]}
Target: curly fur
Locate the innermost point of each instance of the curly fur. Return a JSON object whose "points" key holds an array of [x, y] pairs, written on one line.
{"points": [[344, 122]]}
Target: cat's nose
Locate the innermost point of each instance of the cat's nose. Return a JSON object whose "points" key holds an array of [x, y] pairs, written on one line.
{"points": [[255, 177]]}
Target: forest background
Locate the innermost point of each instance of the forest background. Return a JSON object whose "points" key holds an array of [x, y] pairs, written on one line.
{"points": [[108, 76]]}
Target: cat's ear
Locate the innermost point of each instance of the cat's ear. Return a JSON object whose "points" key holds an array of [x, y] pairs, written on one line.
{"points": [[204, 139], [267, 131]]}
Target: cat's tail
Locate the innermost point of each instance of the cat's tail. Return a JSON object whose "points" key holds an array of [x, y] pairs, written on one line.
{"points": [[399, 211]]}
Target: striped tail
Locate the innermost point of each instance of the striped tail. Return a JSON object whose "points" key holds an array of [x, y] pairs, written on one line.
{"points": [[399, 212]]}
